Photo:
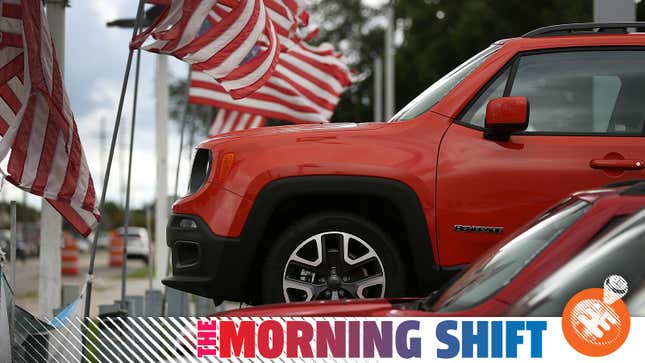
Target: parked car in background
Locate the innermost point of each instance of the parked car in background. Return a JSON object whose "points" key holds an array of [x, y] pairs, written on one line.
{"points": [[307, 212], [138, 242], [506, 272], [620, 252]]}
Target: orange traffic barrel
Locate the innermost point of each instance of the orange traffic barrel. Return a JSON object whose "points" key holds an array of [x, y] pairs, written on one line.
{"points": [[69, 255], [116, 249]]}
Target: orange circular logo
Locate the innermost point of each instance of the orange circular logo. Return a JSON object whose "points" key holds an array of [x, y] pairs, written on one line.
{"points": [[596, 322]]}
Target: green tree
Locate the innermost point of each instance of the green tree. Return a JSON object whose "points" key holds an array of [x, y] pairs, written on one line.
{"points": [[442, 34]]}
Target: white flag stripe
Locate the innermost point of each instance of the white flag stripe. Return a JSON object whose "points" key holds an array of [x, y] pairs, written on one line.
{"points": [[9, 25], [59, 167], [223, 40], [232, 120], [16, 86], [243, 122], [315, 73], [5, 111], [36, 140], [232, 62], [195, 23]]}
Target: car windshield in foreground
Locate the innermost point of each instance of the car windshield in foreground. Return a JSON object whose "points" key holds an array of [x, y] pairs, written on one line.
{"points": [[501, 264], [619, 252], [433, 94]]}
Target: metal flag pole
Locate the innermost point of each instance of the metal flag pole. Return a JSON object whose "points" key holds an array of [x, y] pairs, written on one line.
{"points": [[106, 178], [128, 184]]}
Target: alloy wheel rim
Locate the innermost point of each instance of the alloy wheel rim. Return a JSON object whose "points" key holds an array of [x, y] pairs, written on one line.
{"points": [[333, 265]]}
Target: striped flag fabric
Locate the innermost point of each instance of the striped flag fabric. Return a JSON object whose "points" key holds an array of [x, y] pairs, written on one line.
{"points": [[305, 87], [231, 120], [237, 42], [233, 41], [38, 130]]}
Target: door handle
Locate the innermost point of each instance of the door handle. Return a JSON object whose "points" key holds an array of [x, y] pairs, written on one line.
{"points": [[623, 164]]}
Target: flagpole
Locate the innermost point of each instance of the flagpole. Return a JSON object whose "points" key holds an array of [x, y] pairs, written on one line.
{"points": [[106, 178], [128, 184]]}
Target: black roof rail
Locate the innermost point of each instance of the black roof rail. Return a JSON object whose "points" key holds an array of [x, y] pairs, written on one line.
{"points": [[635, 190], [584, 29]]}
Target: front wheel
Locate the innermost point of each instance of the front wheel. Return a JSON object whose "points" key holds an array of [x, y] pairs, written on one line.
{"points": [[332, 256]]}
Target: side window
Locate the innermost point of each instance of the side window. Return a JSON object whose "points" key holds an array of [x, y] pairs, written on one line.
{"points": [[476, 114], [577, 92], [583, 91]]}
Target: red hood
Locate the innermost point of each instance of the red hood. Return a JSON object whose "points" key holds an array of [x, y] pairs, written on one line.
{"points": [[367, 307], [294, 129]]}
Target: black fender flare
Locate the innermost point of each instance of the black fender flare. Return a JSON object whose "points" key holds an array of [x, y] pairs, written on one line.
{"points": [[399, 194]]}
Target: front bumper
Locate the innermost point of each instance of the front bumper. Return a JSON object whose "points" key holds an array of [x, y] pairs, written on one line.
{"points": [[206, 264]]}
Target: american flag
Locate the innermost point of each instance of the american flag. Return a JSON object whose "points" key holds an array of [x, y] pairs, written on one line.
{"points": [[305, 87], [231, 120], [216, 37], [38, 131]]}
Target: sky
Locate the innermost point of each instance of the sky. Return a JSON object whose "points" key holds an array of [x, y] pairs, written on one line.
{"points": [[95, 58]]}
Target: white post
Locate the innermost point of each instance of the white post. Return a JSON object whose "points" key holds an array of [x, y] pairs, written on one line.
{"points": [[389, 65], [51, 223], [378, 90], [161, 206]]}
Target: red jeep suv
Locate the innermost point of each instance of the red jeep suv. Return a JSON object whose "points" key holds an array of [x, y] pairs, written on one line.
{"points": [[335, 211]]}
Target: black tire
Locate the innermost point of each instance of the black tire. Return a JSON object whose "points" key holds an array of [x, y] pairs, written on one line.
{"points": [[292, 237]]}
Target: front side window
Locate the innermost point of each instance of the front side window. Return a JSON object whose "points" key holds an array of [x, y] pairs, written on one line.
{"points": [[574, 92], [500, 265], [433, 94]]}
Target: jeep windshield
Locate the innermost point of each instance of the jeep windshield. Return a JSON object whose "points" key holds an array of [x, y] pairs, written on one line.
{"points": [[502, 263], [433, 94]]}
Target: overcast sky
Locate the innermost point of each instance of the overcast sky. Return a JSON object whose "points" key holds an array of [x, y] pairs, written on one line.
{"points": [[95, 58]]}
